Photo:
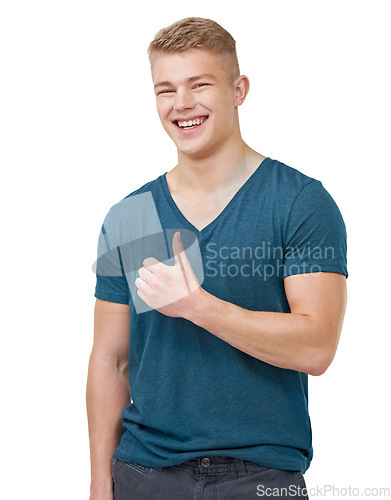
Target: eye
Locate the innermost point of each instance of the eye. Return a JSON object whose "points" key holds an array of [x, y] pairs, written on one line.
{"points": [[165, 92], [201, 84]]}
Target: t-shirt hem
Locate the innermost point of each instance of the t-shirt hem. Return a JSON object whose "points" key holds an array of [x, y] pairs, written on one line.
{"points": [[324, 269], [111, 298], [301, 465]]}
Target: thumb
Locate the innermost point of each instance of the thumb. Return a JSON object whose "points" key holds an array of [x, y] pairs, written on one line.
{"points": [[178, 248], [181, 259]]}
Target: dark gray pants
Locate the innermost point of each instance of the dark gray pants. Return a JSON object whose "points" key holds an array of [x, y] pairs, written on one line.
{"points": [[205, 478]]}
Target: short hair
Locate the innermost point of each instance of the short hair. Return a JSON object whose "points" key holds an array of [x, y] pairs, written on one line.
{"points": [[196, 33]]}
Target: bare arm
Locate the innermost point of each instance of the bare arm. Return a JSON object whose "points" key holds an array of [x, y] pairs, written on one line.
{"points": [[107, 392], [305, 339]]}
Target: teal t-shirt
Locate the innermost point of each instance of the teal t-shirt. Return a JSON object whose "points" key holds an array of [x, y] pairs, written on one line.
{"points": [[192, 393]]}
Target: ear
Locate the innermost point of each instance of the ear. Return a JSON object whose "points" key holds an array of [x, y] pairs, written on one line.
{"points": [[242, 87]]}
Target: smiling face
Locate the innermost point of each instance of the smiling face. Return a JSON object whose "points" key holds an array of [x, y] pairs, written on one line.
{"points": [[197, 100]]}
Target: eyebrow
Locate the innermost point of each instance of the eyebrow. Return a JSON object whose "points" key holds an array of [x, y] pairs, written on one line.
{"points": [[191, 79]]}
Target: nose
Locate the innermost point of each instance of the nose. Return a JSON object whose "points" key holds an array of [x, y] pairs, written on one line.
{"points": [[184, 99]]}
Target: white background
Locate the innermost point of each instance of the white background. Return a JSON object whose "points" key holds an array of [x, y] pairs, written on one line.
{"points": [[79, 131]]}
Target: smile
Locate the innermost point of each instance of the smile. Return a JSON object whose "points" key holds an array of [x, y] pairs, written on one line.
{"points": [[189, 124]]}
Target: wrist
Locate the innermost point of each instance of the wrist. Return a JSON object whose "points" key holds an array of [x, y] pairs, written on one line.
{"points": [[101, 480], [101, 485], [198, 306]]}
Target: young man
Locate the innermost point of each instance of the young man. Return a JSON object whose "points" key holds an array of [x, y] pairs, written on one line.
{"points": [[220, 286]]}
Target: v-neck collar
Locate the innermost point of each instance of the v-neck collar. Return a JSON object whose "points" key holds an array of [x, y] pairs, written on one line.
{"points": [[227, 207]]}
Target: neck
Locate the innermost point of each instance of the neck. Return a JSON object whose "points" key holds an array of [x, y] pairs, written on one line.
{"points": [[227, 168]]}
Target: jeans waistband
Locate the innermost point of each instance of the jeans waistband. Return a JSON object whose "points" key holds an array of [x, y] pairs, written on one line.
{"points": [[219, 464]]}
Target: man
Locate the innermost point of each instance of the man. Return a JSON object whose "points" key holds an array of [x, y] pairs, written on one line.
{"points": [[220, 286]]}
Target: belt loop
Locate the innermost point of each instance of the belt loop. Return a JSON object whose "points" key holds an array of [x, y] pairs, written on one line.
{"points": [[241, 467]]}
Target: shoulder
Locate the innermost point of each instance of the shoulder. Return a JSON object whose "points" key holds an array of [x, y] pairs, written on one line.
{"points": [[301, 199], [295, 194], [286, 179], [137, 198], [130, 214], [283, 185], [146, 188]]}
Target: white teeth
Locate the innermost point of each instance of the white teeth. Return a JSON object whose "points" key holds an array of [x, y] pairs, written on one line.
{"points": [[191, 123]]}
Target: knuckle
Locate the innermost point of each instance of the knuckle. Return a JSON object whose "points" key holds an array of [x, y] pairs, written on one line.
{"points": [[163, 271]]}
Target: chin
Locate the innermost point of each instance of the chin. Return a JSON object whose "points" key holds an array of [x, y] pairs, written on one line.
{"points": [[193, 150]]}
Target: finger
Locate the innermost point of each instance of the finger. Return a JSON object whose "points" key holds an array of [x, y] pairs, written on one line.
{"points": [[145, 274], [180, 256], [180, 253], [182, 259], [143, 297], [177, 246], [152, 264], [142, 285]]}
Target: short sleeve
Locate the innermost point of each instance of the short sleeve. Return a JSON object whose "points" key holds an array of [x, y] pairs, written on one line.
{"points": [[111, 282], [315, 236]]}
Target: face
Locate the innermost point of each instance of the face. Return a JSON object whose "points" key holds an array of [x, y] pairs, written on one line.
{"points": [[196, 100]]}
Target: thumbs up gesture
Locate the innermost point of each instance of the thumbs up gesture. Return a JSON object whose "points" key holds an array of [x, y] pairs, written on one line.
{"points": [[170, 290]]}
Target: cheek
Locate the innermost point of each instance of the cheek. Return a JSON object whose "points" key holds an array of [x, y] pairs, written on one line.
{"points": [[223, 117], [163, 116], [222, 107], [163, 108]]}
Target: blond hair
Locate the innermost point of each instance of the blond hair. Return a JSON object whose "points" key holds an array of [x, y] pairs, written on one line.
{"points": [[196, 33]]}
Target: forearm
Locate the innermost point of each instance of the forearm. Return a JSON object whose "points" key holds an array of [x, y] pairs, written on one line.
{"points": [[285, 340], [107, 395]]}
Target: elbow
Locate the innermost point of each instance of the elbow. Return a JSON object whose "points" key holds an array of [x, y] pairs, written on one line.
{"points": [[320, 363], [322, 352], [317, 370], [122, 366], [113, 361]]}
